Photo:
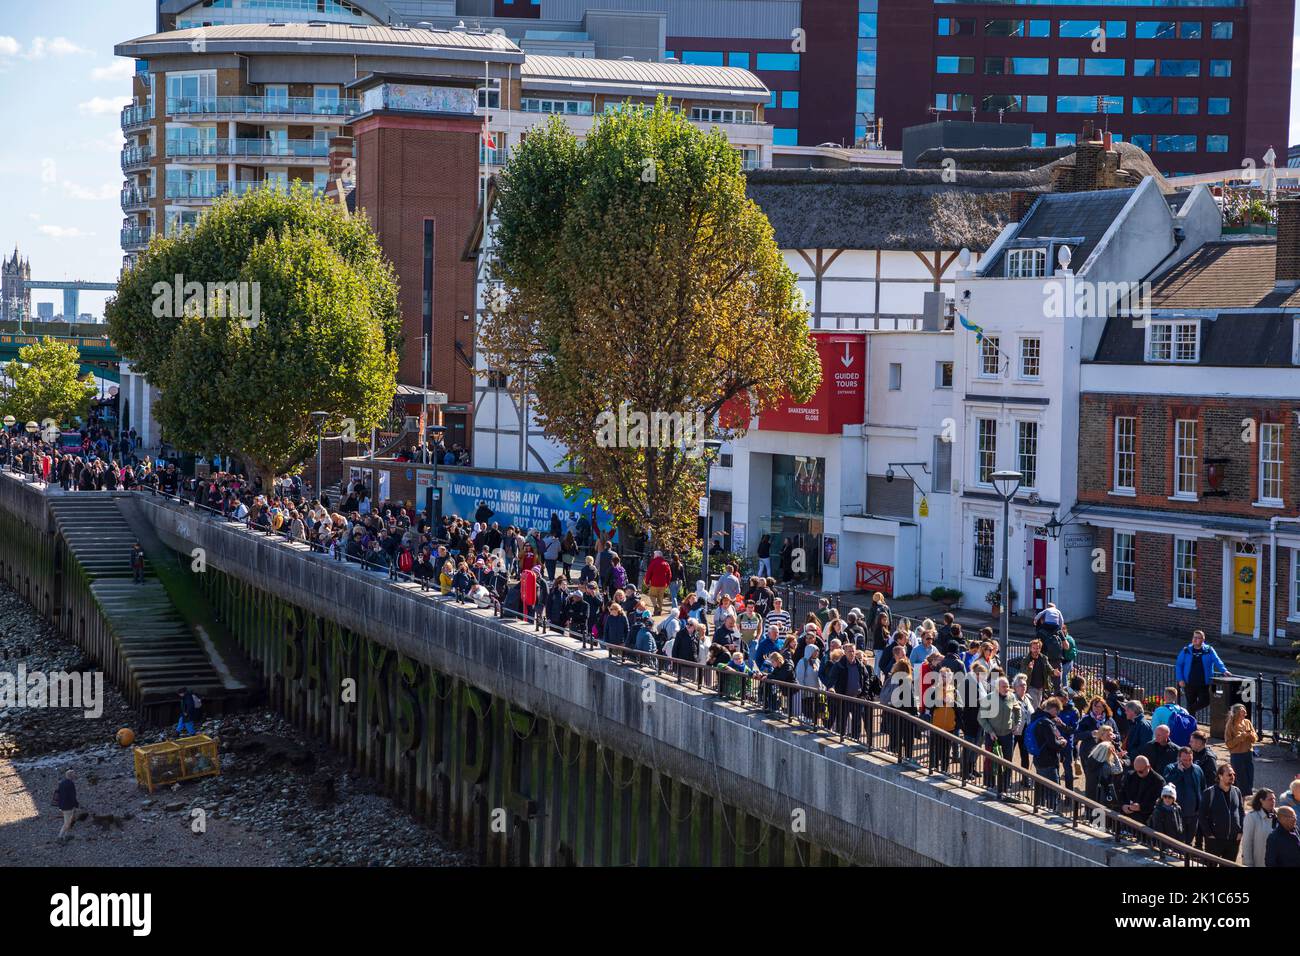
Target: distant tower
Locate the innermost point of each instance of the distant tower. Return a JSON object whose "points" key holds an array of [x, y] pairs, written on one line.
{"points": [[15, 296]]}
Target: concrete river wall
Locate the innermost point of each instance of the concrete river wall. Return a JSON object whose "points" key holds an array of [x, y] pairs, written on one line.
{"points": [[533, 751]]}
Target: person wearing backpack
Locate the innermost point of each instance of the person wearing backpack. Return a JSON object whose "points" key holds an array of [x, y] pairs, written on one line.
{"points": [[405, 560], [1178, 719]]}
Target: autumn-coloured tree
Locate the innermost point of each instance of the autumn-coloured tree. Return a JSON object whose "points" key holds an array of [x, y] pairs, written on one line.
{"points": [[636, 270], [323, 337]]}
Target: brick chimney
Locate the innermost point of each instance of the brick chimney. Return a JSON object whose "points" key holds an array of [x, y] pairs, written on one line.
{"points": [[1287, 274]]}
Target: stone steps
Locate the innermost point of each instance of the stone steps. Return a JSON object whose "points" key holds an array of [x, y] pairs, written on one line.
{"points": [[156, 645]]}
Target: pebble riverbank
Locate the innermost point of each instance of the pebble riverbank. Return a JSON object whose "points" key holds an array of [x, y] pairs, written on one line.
{"points": [[281, 800]]}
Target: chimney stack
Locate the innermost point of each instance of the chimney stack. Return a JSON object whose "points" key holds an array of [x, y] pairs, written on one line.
{"points": [[1287, 275]]}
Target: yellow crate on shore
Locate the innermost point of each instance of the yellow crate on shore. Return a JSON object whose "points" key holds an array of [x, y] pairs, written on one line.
{"points": [[174, 761]]}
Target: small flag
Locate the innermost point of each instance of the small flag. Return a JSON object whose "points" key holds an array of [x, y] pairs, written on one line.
{"points": [[488, 141], [971, 327]]}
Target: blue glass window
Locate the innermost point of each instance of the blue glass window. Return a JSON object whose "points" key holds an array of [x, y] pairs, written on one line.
{"points": [[1088, 104], [785, 62], [1103, 66], [790, 100], [1146, 105], [1216, 143], [1067, 66], [954, 64], [1156, 30], [1015, 65], [1078, 28], [1218, 106], [739, 60], [1221, 30], [1180, 67], [1037, 139], [701, 58], [1188, 105], [1065, 139], [1220, 68], [1141, 140], [866, 63], [866, 24], [1176, 143], [784, 136]]}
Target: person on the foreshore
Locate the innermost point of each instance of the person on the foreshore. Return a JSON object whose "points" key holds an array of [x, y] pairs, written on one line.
{"points": [[65, 798], [188, 709]]}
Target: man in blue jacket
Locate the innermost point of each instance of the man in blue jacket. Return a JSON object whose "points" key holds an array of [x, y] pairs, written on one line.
{"points": [[1197, 664]]}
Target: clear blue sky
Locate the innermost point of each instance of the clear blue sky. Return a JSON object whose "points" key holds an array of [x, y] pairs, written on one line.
{"points": [[62, 91]]}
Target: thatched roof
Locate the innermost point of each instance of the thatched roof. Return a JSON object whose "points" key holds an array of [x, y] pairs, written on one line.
{"points": [[907, 209], [1134, 164]]}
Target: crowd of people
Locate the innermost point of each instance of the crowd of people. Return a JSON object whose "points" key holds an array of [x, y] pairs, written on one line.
{"points": [[737, 635]]}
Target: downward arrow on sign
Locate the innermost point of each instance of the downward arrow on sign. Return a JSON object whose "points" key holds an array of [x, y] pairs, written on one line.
{"points": [[846, 359]]}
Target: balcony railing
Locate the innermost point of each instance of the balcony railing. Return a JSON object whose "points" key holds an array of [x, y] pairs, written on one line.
{"points": [[214, 190], [260, 105], [137, 114], [137, 197], [293, 148], [136, 155], [136, 236]]}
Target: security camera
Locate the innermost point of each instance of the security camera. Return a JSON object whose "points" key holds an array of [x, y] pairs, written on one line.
{"points": [[889, 474]]}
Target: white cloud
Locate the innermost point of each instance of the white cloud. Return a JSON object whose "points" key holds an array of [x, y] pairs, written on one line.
{"points": [[75, 191], [9, 46], [98, 105], [53, 46], [63, 232], [119, 69]]}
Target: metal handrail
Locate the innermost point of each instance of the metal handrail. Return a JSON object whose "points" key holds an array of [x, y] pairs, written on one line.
{"points": [[903, 729]]}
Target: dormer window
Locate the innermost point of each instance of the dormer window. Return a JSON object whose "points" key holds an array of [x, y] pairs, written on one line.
{"points": [[1174, 342], [1026, 263]]}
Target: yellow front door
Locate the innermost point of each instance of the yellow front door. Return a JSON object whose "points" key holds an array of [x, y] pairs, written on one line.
{"points": [[1243, 590]]}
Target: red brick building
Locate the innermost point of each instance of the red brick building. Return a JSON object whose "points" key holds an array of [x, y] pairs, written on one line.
{"points": [[1188, 464]]}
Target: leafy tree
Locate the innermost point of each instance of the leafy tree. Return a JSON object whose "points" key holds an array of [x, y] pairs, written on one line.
{"points": [[324, 335], [636, 269], [46, 382]]}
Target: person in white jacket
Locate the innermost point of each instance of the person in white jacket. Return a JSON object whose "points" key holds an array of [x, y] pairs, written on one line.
{"points": [[1259, 824]]}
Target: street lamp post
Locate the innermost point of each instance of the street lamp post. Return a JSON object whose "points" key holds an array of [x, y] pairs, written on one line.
{"points": [[1007, 484], [319, 418], [435, 513], [711, 448]]}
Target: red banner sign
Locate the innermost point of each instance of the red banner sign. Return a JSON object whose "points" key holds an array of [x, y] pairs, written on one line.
{"points": [[840, 399]]}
